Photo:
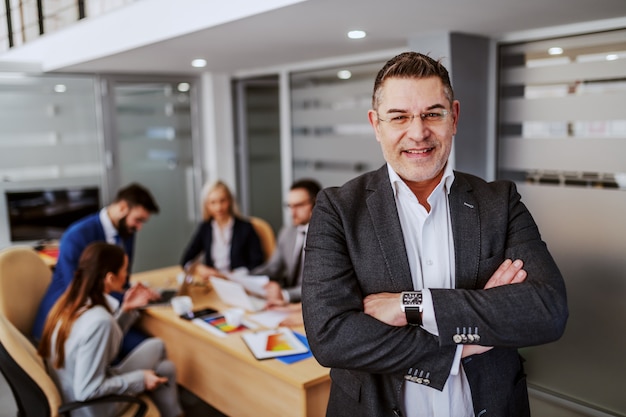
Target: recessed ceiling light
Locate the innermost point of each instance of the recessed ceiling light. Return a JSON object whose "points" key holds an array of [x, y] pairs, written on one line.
{"points": [[344, 74], [198, 63], [183, 87], [612, 57], [60, 88], [555, 50], [357, 34]]}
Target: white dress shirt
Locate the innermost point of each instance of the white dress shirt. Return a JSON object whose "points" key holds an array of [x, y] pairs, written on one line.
{"points": [[110, 232], [220, 245], [430, 250]]}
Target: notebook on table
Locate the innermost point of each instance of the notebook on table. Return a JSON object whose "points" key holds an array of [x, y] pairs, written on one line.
{"points": [[234, 294]]}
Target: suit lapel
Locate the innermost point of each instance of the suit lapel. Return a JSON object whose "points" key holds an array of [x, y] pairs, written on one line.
{"points": [[465, 224], [384, 215]]}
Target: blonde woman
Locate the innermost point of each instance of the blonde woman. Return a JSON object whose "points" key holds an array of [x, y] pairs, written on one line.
{"points": [[227, 240], [83, 333]]}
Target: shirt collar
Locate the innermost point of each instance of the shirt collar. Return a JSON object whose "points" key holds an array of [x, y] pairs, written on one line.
{"points": [[109, 230], [446, 180]]}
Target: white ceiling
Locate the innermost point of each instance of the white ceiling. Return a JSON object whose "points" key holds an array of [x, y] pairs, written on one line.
{"points": [[316, 29]]}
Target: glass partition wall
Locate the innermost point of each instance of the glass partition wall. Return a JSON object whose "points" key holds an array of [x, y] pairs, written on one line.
{"points": [[562, 137], [64, 136], [50, 141], [151, 139], [333, 141]]}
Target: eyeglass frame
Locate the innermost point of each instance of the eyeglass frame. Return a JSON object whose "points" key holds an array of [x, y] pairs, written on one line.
{"points": [[411, 117]]}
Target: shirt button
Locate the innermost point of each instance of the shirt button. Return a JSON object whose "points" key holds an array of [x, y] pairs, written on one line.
{"points": [[429, 262]]}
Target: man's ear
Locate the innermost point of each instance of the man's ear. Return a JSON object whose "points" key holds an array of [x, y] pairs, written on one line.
{"points": [[372, 116], [456, 111], [123, 208]]}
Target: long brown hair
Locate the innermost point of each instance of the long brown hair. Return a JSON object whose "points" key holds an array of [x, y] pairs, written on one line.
{"points": [[85, 291]]}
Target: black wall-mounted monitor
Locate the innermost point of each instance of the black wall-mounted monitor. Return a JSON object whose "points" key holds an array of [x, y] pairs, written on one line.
{"points": [[44, 214]]}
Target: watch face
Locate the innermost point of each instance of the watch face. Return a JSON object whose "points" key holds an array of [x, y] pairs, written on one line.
{"points": [[412, 298]]}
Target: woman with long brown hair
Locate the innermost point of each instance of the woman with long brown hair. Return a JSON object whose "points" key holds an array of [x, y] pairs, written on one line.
{"points": [[83, 333]]}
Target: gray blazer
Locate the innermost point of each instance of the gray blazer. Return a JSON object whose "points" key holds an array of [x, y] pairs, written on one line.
{"points": [[355, 248], [92, 345], [280, 267]]}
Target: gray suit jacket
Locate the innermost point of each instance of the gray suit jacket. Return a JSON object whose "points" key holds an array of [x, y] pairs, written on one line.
{"points": [[281, 265], [355, 248], [92, 345]]}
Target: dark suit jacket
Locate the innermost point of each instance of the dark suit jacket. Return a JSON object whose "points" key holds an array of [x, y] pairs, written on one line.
{"points": [[75, 239], [245, 246], [355, 248]]}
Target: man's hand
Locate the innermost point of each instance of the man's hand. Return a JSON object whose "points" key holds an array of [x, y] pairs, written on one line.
{"points": [[469, 350], [274, 295], [386, 308], [509, 272]]}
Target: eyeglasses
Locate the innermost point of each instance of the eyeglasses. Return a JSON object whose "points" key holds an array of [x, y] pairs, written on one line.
{"points": [[429, 118], [294, 206]]}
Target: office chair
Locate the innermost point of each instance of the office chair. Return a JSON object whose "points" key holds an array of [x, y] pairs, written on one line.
{"points": [[34, 391], [266, 235], [24, 279]]}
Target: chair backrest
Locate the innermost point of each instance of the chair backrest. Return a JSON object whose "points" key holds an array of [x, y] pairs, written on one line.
{"points": [[34, 391], [24, 279], [266, 234]]}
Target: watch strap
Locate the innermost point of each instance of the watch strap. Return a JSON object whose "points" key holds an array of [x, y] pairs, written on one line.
{"points": [[413, 315]]}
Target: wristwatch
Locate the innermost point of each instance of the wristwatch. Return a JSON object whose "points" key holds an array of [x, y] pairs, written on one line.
{"points": [[411, 304]]}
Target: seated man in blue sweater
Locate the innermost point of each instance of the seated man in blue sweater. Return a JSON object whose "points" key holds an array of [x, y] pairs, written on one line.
{"points": [[116, 223]]}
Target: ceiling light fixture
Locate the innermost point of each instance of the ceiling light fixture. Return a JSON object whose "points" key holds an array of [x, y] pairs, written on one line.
{"points": [[555, 50], [612, 57], [60, 88], [183, 87], [357, 34], [198, 63], [344, 75]]}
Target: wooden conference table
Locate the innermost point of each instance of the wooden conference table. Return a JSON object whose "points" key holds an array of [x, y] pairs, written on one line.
{"points": [[222, 371]]}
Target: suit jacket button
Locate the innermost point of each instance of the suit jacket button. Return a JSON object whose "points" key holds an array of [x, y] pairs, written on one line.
{"points": [[426, 381], [470, 338], [457, 338]]}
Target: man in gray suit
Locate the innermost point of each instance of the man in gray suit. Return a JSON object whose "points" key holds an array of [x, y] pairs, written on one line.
{"points": [[420, 282], [285, 265]]}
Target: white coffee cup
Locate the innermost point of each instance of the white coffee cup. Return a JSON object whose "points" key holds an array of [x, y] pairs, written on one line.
{"points": [[182, 305], [234, 316]]}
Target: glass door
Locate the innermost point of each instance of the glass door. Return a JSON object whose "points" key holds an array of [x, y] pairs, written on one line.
{"points": [[153, 143]]}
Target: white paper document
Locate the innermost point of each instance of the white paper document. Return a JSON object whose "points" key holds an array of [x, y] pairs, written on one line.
{"points": [[269, 318]]}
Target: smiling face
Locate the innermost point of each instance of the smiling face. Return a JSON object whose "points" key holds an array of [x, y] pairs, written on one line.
{"points": [[418, 152]]}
